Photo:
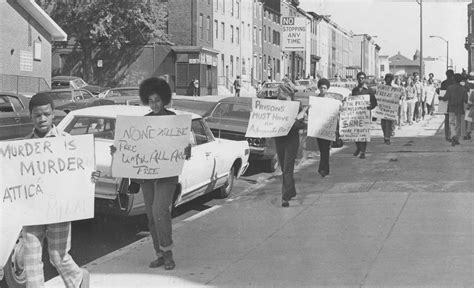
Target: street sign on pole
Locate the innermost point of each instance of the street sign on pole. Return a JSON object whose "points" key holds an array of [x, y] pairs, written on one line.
{"points": [[294, 33]]}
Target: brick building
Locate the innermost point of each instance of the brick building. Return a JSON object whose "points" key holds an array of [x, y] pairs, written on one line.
{"points": [[27, 33], [271, 31]]}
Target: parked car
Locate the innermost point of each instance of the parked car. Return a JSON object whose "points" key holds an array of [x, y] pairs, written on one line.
{"points": [[121, 95], [213, 166], [229, 119], [72, 99], [190, 105], [15, 120], [73, 82], [307, 84], [338, 93]]}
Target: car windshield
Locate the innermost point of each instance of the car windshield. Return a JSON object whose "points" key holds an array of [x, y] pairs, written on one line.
{"points": [[232, 110], [78, 83], [66, 95], [100, 127], [198, 107], [122, 92]]}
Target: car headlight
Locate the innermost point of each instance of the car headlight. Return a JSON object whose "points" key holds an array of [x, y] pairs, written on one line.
{"points": [[256, 142]]}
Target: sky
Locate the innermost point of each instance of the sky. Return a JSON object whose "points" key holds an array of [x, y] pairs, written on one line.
{"points": [[397, 24]]}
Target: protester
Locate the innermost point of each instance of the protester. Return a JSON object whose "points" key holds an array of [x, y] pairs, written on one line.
{"points": [[237, 86], [58, 235], [361, 89], [323, 144], [196, 87], [402, 108], [387, 124], [444, 86], [287, 149], [430, 88], [158, 193], [410, 92], [419, 111], [456, 95]]}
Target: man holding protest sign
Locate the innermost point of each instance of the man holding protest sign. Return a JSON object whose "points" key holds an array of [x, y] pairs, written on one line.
{"points": [[362, 89], [58, 235], [441, 92], [385, 122], [157, 192]]}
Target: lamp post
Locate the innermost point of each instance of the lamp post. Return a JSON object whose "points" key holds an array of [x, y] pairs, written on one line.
{"points": [[447, 49]]}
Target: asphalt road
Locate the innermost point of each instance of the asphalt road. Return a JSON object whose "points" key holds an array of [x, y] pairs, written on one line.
{"points": [[94, 238]]}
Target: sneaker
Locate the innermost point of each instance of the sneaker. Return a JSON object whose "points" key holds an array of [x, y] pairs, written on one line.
{"points": [[356, 152], [285, 203], [387, 141], [362, 156], [157, 263], [85, 279], [168, 260]]}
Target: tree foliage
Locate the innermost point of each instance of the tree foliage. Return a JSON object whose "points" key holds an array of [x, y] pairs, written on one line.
{"points": [[108, 27]]}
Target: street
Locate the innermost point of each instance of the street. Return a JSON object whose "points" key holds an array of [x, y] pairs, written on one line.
{"points": [[401, 217]]}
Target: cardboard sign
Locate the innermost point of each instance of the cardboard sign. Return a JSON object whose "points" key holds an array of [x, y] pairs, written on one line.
{"points": [[322, 117], [271, 118], [388, 99], [150, 147], [354, 119], [44, 181], [442, 105], [430, 92]]}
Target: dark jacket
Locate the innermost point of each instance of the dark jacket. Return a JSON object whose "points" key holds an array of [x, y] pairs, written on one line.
{"points": [[366, 91], [456, 95]]}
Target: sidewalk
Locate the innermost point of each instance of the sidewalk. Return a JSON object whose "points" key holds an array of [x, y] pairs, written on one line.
{"points": [[401, 217]]}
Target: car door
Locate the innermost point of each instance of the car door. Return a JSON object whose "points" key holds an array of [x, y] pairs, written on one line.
{"points": [[10, 120], [199, 172], [25, 119]]}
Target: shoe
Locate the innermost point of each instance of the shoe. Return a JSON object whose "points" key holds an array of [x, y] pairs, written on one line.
{"points": [[285, 203], [85, 279], [168, 260], [411, 123], [356, 152], [362, 156], [448, 139], [292, 196], [323, 173], [387, 141], [157, 263]]}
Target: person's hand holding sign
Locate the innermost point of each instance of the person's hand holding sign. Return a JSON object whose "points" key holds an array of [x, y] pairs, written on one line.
{"points": [[95, 176], [187, 152]]}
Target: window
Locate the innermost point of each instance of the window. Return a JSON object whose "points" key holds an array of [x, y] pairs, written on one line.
{"points": [[243, 30], [269, 35], [216, 28], [223, 30], [250, 32], [17, 104], [232, 8], [278, 66], [264, 33], [254, 35], [260, 36], [237, 31], [86, 94], [208, 27], [201, 25], [237, 9], [5, 106], [231, 33], [223, 6], [382, 68], [199, 132], [222, 63], [216, 5], [103, 128], [231, 66], [237, 60]]}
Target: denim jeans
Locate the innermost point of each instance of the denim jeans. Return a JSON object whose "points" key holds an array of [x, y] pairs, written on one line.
{"points": [[386, 128], [324, 146], [158, 198], [455, 122]]}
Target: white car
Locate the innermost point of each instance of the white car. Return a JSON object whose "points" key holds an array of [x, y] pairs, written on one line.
{"points": [[213, 166]]}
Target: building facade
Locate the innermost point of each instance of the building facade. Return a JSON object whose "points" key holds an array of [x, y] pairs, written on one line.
{"points": [[384, 65], [365, 54], [469, 44], [27, 34], [402, 65], [271, 36]]}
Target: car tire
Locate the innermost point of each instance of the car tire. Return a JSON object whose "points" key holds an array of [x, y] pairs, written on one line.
{"points": [[226, 189], [14, 275]]}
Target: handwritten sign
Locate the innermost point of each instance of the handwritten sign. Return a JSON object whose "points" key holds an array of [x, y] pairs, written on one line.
{"points": [[271, 118], [442, 105], [355, 119], [322, 117], [150, 147], [430, 92], [388, 99], [44, 181]]}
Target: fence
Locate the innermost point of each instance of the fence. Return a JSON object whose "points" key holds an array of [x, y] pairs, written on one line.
{"points": [[26, 85]]}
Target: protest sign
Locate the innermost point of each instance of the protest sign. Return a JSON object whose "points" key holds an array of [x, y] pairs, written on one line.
{"points": [[43, 181], [150, 147], [322, 117], [388, 99], [271, 118], [442, 105], [430, 92], [354, 119]]}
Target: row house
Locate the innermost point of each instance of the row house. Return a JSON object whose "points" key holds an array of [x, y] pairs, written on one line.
{"points": [[469, 43], [271, 40]]}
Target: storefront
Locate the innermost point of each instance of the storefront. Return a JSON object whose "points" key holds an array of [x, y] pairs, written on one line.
{"points": [[196, 62]]}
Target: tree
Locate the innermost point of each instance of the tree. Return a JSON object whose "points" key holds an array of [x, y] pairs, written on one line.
{"points": [[101, 28]]}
